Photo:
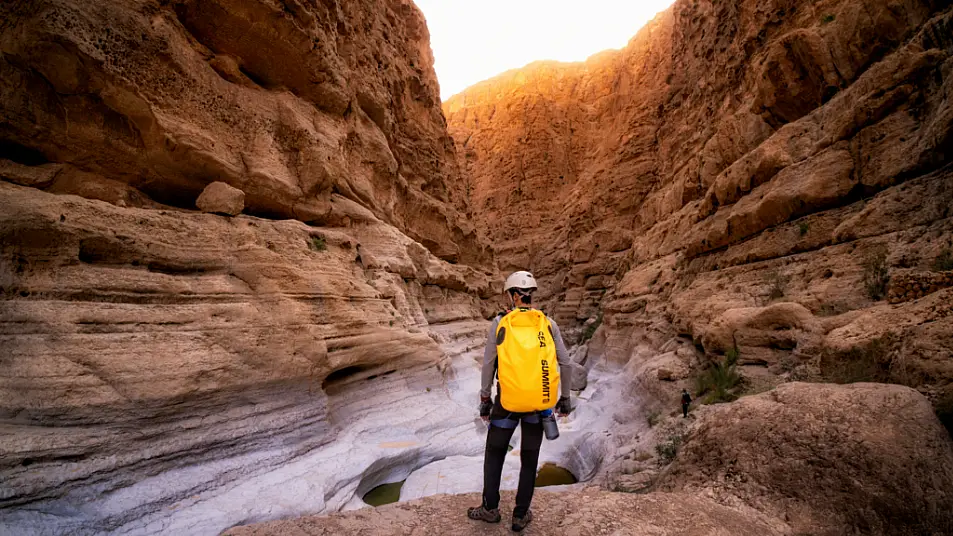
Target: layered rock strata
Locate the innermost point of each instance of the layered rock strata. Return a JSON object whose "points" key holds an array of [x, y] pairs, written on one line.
{"points": [[168, 371], [742, 175], [161, 368], [324, 113]]}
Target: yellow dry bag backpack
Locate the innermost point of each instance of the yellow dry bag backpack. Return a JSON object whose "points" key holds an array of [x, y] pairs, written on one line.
{"points": [[526, 356]]}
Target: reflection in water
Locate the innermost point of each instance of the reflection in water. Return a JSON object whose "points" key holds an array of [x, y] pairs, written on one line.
{"points": [[384, 494], [553, 475]]}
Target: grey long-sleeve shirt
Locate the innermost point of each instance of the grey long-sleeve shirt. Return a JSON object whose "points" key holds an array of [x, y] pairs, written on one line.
{"points": [[489, 359]]}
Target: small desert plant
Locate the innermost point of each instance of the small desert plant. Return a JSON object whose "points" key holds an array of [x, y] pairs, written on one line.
{"points": [[317, 243], [876, 274], [668, 449], [789, 363], [642, 456], [777, 284], [720, 380], [944, 261], [804, 227], [827, 19], [591, 329], [654, 417]]}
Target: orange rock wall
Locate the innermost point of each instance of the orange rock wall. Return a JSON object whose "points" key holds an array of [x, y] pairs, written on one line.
{"points": [[734, 156], [327, 113]]}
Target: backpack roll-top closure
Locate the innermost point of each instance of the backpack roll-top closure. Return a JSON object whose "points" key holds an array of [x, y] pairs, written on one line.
{"points": [[528, 370]]}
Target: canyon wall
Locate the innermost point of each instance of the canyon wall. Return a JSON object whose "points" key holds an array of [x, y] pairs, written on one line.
{"points": [[767, 177], [167, 370], [325, 113]]}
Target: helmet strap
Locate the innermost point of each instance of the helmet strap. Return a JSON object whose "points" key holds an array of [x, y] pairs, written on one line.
{"points": [[521, 297]]}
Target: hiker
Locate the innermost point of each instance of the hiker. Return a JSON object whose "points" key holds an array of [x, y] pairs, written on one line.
{"points": [[686, 401], [520, 348]]}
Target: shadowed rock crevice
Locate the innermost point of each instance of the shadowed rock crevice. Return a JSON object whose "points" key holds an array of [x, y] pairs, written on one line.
{"points": [[22, 155]]}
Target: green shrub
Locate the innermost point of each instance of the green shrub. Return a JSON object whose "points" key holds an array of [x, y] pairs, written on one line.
{"points": [[317, 243], [876, 274], [731, 356], [777, 285], [720, 381], [667, 450], [944, 261], [827, 19], [804, 227], [591, 329], [654, 417]]}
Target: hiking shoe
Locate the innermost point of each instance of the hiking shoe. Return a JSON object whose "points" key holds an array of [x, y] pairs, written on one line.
{"points": [[519, 523], [480, 513]]}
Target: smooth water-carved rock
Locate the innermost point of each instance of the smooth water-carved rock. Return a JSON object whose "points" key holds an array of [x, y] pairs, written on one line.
{"points": [[165, 358], [221, 198], [172, 371]]}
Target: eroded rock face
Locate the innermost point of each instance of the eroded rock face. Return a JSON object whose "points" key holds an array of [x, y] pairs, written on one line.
{"points": [[828, 459], [164, 370], [741, 174], [154, 358], [294, 104]]}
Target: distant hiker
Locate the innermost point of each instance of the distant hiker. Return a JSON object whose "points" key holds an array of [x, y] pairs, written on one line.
{"points": [[527, 350], [686, 401]]}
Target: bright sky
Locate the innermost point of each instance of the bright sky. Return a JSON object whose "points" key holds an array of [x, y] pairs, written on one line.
{"points": [[474, 40]]}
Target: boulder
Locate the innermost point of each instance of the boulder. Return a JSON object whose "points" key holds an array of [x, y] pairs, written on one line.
{"points": [[220, 198], [579, 378], [830, 459]]}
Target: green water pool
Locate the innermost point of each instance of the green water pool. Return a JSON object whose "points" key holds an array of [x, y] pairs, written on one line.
{"points": [[553, 475], [548, 475], [384, 494]]}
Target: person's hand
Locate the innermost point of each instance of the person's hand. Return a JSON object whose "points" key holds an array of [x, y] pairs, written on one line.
{"points": [[485, 405], [563, 407]]}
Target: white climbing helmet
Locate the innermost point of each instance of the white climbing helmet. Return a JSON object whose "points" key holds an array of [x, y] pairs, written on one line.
{"points": [[520, 280]]}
